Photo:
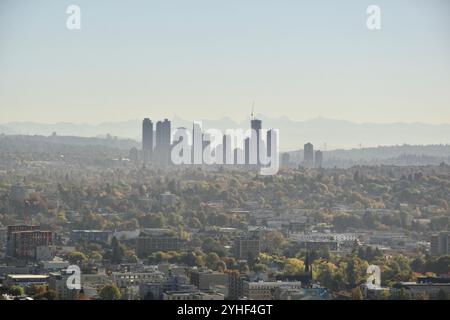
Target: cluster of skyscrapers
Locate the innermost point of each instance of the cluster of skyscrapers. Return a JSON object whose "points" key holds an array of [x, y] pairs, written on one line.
{"points": [[156, 145], [310, 159]]}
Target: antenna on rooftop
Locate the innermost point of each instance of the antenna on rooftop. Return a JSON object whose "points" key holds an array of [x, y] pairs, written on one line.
{"points": [[253, 109]]}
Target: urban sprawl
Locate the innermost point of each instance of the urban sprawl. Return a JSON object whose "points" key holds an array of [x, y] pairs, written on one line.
{"points": [[139, 227]]}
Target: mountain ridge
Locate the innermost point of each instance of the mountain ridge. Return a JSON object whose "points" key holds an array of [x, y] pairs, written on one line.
{"points": [[324, 133]]}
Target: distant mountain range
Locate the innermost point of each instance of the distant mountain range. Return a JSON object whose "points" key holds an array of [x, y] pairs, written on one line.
{"points": [[322, 132]]}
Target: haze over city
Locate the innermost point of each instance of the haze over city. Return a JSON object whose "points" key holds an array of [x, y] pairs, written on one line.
{"points": [[224, 155]]}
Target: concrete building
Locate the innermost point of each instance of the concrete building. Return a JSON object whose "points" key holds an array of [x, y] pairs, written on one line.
{"points": [[318, 159], [256, 125], [58, 281], [440, 243], [129, 279], [170, 269], [247, 248], [235, 281], [167, 198], [155, 290], [188, 295], [265, 290], [23, 244], [98, 236], [25, 280], [53, 265], [308, 155], [207, 279], [147, 244], [147, 140], [163, 143], [18, 228], [286, 293], [417, 290], [45, 253]]}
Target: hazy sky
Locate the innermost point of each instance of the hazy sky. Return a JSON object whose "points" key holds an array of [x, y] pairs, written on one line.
{"points": [[202, 59]]}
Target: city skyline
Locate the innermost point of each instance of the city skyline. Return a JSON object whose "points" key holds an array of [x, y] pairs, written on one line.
{"points": [[345, 134], [255, 146]]}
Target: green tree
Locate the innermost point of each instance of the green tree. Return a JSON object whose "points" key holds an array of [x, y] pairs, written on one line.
{"points": [[384, 295], [221, 266], [110, 292], [259, 267], [15, 290], [293, 266], [211, 260], [357, 294], [76, 257], [356, 269]]}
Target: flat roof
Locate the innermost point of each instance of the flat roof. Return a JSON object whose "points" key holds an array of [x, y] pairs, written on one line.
{"points": [[27, 276]]}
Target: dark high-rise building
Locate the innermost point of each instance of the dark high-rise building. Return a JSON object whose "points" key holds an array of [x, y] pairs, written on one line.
{"points": [[147, 139], [440, 243], [166, 133], [318, 159], [147, 134], [159, 135], [308, 154], [269, 142], [167, 141], [196, 156], [247, 248], [224, 149], [163, 142], [247, 150], [256, 125]]}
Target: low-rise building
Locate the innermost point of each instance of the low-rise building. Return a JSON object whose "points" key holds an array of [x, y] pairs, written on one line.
{"points": [[189, 295], [265, 290], [129, 279], [440, 243], [98, 236], [148, 244], [247, 248], [53, 265], [57, 281], [25, 280], [155, 290], [208, 279], [416, 290]]}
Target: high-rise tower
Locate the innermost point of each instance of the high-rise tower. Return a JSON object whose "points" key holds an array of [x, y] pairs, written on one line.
{"points": [[147, 139], [308, 154]]}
